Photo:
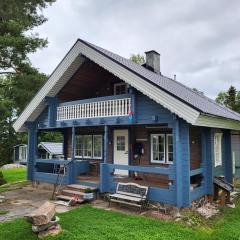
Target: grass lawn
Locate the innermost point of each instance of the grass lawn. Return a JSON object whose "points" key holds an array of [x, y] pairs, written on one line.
{"points": [[15, 176], [89, 223]]}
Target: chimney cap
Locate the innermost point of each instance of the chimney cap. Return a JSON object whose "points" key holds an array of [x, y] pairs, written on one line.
{"points": [[152, 51]]}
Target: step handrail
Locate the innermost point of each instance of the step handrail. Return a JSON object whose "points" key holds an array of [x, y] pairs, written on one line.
{"points": [[56, 183]]}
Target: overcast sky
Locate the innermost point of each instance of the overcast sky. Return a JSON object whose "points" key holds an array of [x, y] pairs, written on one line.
{"points": [[199, 41]]}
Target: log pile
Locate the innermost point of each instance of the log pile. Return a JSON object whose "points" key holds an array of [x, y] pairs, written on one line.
{"points": [[44, 222]]}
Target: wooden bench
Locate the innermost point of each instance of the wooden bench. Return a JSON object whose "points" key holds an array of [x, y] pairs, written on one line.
{"points": [[130, 194]]}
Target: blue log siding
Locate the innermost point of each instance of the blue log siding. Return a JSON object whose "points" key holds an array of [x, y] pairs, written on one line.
{"points": [[32, 149]]}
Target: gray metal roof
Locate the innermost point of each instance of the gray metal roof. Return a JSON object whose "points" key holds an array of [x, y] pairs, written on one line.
{"points": [[52, 147], [177, 89]]}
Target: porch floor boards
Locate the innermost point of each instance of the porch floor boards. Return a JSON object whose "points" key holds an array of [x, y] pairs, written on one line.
{"points": [[148, 183], [90, 179]]}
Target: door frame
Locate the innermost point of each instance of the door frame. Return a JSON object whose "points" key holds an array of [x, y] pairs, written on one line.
{"points": [[129, 143]]}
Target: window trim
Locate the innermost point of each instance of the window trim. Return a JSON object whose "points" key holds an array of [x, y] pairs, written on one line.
{"points": [[164, 148], [119, 84], [92, 148], [97, 135], [219, 163], [167, 153]]}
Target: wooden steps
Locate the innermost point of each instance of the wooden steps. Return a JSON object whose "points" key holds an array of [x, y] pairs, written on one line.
{"points": [[74, 190], [68, 198]]}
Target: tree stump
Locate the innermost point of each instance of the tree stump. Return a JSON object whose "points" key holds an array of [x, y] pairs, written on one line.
{"points": [[43, 214]]}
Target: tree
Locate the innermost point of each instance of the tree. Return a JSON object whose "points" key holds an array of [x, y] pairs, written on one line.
{"points": [[19, 80], [137, 58], [230, 99]]}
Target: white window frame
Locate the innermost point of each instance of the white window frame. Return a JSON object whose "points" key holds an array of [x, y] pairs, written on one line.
{"points": [[218, 152], [85, 156], [164, 148], [78, 156], [97, 157], [167, 153], [120, 84], [92, 148]]}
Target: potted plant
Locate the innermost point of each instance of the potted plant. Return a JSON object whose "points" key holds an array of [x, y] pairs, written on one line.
{"points": [[88, 194]]}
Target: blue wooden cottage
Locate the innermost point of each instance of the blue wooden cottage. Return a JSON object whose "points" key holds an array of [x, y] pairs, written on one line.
{"points": [[122, 121]]}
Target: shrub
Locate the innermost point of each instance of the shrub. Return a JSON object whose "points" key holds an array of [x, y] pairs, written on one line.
{"points": [[2, 180]]}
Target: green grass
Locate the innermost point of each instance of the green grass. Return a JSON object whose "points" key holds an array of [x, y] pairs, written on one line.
{"points": [[15, 177], [89, 223]]}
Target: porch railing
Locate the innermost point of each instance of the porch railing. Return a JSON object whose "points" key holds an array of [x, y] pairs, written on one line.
{"points": [[164, 195], [47, 170], [96, 109]]}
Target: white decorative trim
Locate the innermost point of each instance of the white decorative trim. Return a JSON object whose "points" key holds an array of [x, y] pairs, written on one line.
{"points": [[217, 122]]}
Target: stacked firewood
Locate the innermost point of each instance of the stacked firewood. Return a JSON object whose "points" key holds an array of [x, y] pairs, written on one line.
{"points": [[44, 222]]}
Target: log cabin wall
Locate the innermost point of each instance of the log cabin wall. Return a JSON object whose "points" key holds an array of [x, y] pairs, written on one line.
{"points": [[195, 137], [141, 134], [88, 82]]}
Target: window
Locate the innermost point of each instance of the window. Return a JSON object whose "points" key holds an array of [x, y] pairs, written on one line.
{"points": [[161, 148], [218, 149], [97, 146], [88, 146], [120, 88], [120, 143]]}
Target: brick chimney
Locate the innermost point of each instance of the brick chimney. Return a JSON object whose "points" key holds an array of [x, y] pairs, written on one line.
{"points": [[153, 61]]}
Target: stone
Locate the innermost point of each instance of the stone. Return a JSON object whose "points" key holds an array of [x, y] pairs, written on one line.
{"points": [[44, 227], [52, 231], [231, 205], [43, 214], [2, 199]]}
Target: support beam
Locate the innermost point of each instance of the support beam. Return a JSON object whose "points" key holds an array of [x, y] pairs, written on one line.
{"points": [[207, 159], [227, 155], [71, 165], [65, 143], [105, 150], [32, 149], [182, 162]]}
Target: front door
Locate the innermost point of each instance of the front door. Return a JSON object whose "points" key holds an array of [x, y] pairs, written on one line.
{"points": [[121, 150]]}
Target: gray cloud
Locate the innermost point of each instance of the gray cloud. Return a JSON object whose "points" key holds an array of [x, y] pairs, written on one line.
{"points": [[198, 40]]}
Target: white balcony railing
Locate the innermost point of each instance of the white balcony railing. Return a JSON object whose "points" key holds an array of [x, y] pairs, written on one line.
{"points": [[106, 108]]}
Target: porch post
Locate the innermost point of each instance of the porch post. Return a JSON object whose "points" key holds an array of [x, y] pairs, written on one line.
{"points": [[105, 155], [182, 162], [227, 156], [71, 165], [65, 143], [207, 155], [32, 149]]}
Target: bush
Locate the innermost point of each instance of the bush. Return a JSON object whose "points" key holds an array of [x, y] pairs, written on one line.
{"points": [[2, 180]]}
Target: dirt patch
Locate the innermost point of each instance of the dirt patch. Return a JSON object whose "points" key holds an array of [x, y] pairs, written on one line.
{"points": [[21, 202]]}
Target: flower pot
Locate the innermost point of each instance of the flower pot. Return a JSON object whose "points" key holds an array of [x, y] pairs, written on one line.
{"points": [[88, 196]]}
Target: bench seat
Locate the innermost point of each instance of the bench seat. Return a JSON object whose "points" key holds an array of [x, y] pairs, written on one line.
{"points": [[130, 194], [127, 197]]}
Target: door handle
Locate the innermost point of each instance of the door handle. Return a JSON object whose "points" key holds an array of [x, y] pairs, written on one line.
{"points": [[126, 152]]}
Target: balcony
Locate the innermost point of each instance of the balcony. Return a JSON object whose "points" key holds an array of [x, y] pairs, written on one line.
{"points": [[97, 108]]}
